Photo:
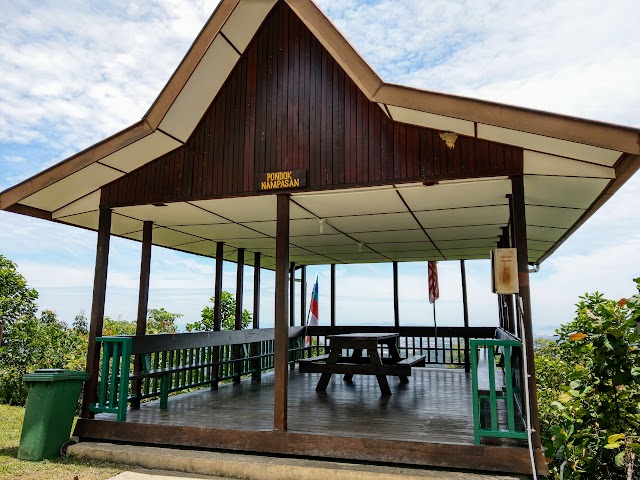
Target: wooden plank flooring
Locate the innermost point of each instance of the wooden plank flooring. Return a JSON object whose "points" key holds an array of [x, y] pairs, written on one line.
{"points": [[434, 407]]}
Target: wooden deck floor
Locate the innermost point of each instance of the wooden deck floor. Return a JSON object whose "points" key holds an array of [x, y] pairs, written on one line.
{"points": [[434, 407]]}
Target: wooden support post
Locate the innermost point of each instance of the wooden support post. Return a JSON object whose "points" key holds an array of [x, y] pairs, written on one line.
{"points": [[465, 311], [333, 294], [97, 310], [396, 308], [256, 350], [217, 312], [303, 295], [520, 229], [143, 302], [281, 343], [237, 349], [292, 291]]}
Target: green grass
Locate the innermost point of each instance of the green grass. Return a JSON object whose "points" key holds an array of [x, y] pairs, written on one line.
{"points": [[59, 469]]}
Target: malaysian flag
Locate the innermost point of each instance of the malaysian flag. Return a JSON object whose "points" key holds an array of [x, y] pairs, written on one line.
{"points": [[314, 315], [434, 290]]}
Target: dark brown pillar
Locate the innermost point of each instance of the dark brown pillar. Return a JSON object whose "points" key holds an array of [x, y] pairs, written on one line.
{"points": [[396, 308], [292, 291], [520, 230], [303, 295], [281, 344], [465, 311], [333, 294], [97, 310], [237, 349], [217, 311], [256, 350], [143, 300]]}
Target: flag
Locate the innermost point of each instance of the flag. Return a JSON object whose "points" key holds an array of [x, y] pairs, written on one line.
{"points": [[434, 290], [313, 315]]}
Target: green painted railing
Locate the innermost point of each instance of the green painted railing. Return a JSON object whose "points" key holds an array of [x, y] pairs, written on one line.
{"points": [[507, 391], [233, 361], [113, 390]]}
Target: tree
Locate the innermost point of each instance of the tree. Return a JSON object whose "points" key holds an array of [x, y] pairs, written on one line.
{"points": [[589, 390], [227, 313], [33, 343], [17, 300], [161, 321]]}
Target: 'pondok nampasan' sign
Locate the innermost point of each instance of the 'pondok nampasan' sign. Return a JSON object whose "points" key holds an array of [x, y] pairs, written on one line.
{"points": [[281, 180]]}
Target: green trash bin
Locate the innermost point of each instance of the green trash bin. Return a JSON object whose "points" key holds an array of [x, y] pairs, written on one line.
{"points": [[51, 406]]}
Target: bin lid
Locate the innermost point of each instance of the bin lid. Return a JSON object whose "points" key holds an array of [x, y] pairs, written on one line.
{"points": [[55, 375]]}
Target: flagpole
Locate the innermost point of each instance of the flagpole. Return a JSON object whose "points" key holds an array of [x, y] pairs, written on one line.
{"points": [[435, 328]]}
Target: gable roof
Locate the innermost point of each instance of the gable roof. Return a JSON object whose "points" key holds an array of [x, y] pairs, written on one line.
{"points": [[565, 145]]}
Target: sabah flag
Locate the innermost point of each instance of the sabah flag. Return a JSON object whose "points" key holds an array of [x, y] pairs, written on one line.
{"points": [[434, 290]]}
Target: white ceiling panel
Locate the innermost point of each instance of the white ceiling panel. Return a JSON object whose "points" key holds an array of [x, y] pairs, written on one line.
{"points": [[550, 145], [352, 202], [322, 239], [87, 203], [220, 232], [430, 120], [537, 163], [464, 216], [331, 249], [374, 223], [134, 235], [250, 209], [305, 226], [171, 214], [87, 220], [465, 252], [171, 238], [539, 244], [389, 237], [245, 20], [143, 151], [464, 233], [403, 247], [364, 256], [474, 243], [72, 187], [206, 247], [455, 195], [562, 191], [415, 256], [545, 233], [120, 224], [200, 89], [552, 216], [310, 260], [261, 243]]}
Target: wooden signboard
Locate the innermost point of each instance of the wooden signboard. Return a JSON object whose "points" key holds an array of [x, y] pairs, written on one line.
{"points": [[504, 266], [281, 180]]}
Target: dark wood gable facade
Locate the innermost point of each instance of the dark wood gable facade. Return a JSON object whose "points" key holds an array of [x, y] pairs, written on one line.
{"points": [[288, 105]]}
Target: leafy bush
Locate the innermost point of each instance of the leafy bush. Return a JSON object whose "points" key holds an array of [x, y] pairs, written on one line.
{"points": [[33, 343], [17, 300], [589, 391], [228, 314]]}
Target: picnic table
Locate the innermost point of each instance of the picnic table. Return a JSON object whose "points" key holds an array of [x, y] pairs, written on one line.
{"points": [[357, 363]]}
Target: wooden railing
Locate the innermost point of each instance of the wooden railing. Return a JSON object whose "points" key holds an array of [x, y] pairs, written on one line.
{"points": [[448, 347]]}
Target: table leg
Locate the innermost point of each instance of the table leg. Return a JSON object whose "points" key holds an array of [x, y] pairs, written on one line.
{"points": [[382, 379], [326, 377], [357, 353], [395, 354]]}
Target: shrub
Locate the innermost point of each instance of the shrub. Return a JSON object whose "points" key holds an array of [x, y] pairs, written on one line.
{"points": [[589, 391]]}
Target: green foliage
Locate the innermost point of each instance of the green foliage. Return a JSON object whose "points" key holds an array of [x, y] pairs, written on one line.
{"points": [[17, 300], [33, 343], [228, 314], [161, 321], [589, 390]]}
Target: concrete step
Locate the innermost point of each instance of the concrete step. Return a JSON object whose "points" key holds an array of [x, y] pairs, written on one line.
{"points": [[256, 467]]}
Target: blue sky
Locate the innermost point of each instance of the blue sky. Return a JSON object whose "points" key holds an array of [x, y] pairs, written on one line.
{"points": [[63, 88]]}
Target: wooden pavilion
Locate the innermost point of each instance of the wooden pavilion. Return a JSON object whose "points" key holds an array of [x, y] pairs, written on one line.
{"points": [[275, 145]]}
